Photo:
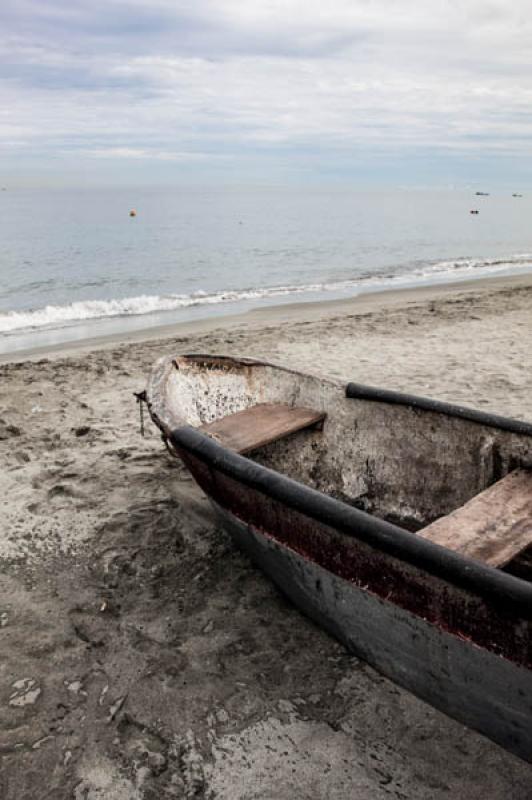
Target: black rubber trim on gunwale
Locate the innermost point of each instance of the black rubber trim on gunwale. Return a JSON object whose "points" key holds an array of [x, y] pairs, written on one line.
{"points": [[459, 570], [359, 391]]}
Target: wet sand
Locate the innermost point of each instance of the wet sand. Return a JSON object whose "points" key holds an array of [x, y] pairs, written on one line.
{"points": [[142, 656]]}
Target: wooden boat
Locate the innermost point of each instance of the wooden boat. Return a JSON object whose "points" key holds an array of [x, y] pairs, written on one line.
{"points": [[402, 525]]}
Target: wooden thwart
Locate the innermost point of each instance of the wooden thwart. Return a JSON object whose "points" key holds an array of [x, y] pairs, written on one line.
{"points": [[492, 527], [259, 425]]}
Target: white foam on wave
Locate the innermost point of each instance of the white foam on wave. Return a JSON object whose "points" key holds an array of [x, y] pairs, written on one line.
{"points": [[486, 264], [53, 316]]}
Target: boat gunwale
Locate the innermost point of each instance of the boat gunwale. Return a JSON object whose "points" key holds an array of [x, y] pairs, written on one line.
{"points": [[361, 391], [464, 572], [455, 568]]}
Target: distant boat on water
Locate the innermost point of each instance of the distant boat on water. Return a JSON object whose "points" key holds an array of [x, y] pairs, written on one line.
{"points": [[482, 194], [515, 194]]}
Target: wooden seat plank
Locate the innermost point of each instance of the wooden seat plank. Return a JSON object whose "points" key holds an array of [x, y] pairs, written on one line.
{"points": [[259, 425], [494, 526]]}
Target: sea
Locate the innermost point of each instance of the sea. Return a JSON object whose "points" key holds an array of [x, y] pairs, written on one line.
{"points": [[76, 264]]}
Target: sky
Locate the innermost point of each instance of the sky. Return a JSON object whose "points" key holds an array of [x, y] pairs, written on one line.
{"points": [[350, 92]]}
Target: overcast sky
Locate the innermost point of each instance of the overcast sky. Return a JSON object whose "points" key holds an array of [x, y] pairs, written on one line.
{"points": [[395, 92]]}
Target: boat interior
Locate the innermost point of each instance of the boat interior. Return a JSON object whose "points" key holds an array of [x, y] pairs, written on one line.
{"points": [[462, 484]]}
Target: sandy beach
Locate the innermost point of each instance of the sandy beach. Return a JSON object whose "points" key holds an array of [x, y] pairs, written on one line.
{"points": [[142, 655]]}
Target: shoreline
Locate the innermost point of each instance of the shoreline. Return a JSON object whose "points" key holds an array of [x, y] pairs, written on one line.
{"points": [[289, 313]]}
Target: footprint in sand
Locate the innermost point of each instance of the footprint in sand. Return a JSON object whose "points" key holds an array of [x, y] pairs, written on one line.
{"points": [[8, 431]]}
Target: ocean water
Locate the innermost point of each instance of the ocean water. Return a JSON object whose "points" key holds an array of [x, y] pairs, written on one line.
{"points": [[74, 264]]}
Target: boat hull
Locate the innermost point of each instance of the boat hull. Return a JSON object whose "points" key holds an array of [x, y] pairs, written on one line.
{"points": [[484, 691], [331, 515], [466, 653]]}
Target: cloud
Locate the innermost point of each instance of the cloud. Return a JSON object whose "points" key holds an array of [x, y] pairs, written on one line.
{"points": [[137, 153], [302, 82]]}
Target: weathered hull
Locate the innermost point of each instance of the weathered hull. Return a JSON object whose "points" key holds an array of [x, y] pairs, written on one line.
{"points": [[487, 692], [318, 513], [464, 652]]}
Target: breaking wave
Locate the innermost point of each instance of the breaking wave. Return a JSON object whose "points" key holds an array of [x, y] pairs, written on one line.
{"points": [[485, 264], [148, 304], [62, 315]]}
